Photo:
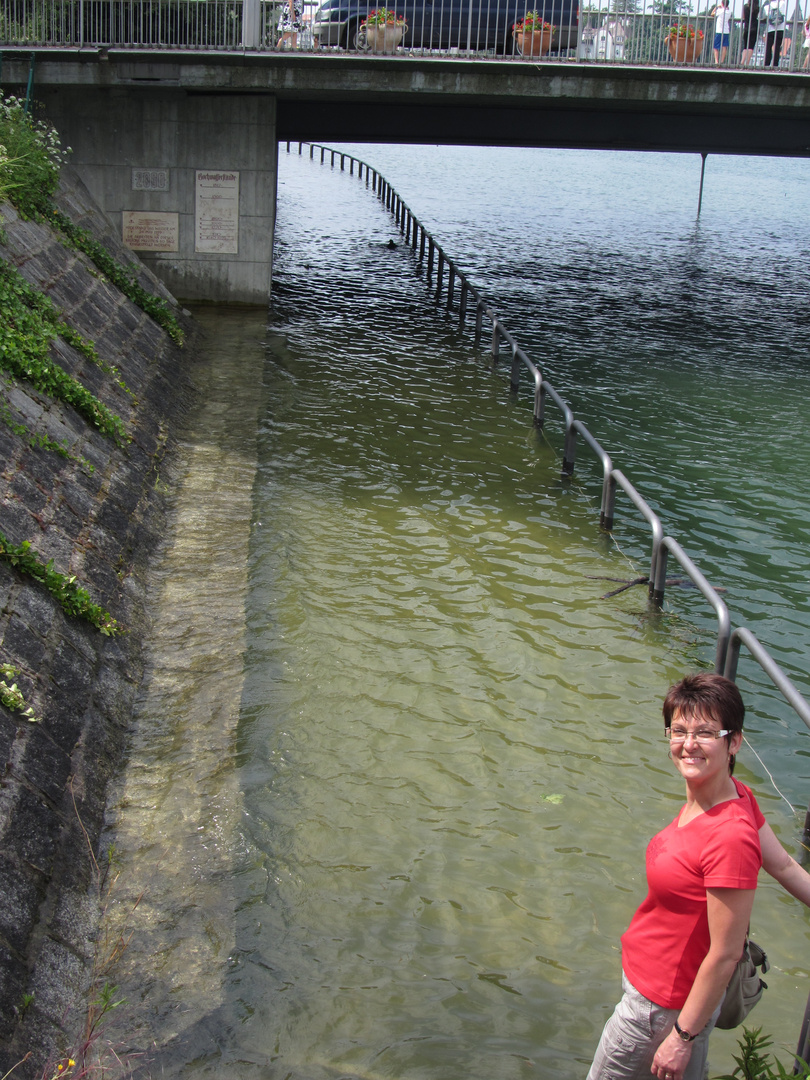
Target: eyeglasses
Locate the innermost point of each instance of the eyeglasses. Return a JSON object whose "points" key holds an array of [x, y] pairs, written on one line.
{"points": [[679, 735]]}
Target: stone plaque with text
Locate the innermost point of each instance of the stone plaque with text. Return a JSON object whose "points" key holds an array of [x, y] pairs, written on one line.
{"points": [[217, 212], [144, 231], [150, 179]]}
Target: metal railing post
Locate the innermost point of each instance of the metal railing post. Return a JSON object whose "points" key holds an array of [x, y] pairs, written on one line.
{"points": [[514, 376], [668, 544], [495, 345], [251, 24]]}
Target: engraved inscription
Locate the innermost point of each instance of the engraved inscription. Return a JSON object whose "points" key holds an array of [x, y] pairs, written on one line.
{"points": [[217, 212], [145, 231]]}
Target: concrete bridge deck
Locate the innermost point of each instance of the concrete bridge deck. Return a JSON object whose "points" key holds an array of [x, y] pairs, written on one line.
{"points": [[183, 113], [357, 98]]}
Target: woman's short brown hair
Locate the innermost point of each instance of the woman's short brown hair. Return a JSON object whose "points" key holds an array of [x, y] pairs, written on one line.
{"points": [[706, 695]]}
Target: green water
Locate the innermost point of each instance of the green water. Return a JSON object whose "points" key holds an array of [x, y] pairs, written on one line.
{"points": [[398, 759]]}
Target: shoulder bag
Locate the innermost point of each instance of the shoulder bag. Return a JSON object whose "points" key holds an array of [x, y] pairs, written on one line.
{"points": [[745, 986]]}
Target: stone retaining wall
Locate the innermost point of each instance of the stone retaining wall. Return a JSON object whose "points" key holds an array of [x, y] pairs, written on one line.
{"points": [[98, 515]]}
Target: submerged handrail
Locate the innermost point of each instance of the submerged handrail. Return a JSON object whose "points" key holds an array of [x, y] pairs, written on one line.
{"points": [[721, 610], [728, 643], [743, 636]]}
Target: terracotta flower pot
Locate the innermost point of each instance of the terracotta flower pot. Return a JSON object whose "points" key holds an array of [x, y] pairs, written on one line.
{"points": [[683, 50], [532, 42], [385, 39]]}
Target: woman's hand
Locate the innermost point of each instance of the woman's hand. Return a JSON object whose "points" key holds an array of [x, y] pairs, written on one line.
{"points": [[671, 1057]]}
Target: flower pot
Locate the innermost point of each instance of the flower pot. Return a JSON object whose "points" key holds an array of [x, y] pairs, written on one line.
{"points": [[386, 38], [683, 50], [532, 42]]}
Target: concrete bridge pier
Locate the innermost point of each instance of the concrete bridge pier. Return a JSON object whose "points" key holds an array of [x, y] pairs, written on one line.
{"points": [[188, 179]]}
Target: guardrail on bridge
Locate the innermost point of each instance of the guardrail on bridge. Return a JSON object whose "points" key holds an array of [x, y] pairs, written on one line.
{"points": [[445, 28]]}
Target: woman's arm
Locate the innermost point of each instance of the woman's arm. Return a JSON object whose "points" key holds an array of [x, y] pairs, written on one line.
{"points": [[729, 912], [783, 867]]}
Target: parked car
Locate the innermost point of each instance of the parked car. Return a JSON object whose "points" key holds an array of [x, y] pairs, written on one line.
{"points": [[477, 25]]}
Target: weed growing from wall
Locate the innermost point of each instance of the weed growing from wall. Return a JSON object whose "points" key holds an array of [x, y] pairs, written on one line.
{"points": [[31, 157], [37, 440], [73, 598], [28, 324], [11, 696]]}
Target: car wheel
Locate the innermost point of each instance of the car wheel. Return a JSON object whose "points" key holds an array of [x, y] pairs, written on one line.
{"points": [[356, 36]]}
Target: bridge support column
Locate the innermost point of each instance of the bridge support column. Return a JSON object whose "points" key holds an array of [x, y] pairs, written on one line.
{"points": [[189, 180]]}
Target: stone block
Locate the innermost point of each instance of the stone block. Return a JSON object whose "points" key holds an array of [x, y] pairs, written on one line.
{"points": [[18, 523], [43, 467], [25, 404], [56, 426], [43, 764], [31, 839], [25, 491], [13, 981], [58, 980], [9, 444], [61, 719], [63, 518], [71, 672], [79, 500], [23, 643], [35, 606], [22, 891], [53, 544], [113, 519]]}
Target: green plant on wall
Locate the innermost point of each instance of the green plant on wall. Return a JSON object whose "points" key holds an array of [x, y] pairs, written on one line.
{"points": [[73, 598], [31, 157], [10, 694], [28, 325]]}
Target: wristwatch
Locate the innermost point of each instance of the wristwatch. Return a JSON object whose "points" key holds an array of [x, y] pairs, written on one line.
{"points": [[684, 1034]]}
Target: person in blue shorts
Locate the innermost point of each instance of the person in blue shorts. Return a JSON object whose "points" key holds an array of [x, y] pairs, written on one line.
{"points": [[722, 30]]}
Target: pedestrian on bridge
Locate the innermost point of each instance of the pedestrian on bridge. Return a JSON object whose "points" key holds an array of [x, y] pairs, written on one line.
{"points": [[774, 12], [750, 30], [722, 30], [291, 23]]}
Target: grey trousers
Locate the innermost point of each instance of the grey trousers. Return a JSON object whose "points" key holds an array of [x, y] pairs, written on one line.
{"points": [[633, 1034]]}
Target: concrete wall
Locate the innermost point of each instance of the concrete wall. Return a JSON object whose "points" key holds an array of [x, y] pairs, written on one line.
{"points": [[99, 515], [113, 132]]}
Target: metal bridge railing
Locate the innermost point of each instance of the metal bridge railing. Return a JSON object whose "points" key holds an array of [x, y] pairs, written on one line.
{"points": [[443, 28], [431, 254]]}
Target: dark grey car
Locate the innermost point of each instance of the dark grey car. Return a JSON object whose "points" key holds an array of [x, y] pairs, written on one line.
{"points": [[478, 25]]}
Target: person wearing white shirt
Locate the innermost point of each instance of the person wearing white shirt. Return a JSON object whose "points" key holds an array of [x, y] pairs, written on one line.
{"points": [[773, 11], [722, 30]]}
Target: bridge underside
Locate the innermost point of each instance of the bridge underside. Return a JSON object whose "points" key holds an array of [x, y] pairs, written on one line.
{"points": [[545, 125], [166, 140]]}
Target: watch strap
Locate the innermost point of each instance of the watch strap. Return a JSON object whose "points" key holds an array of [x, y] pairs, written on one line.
{"points": [[685, 1035]]}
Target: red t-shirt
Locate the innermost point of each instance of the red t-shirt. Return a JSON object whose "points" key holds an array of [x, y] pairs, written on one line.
{"points": [[668, 937]]}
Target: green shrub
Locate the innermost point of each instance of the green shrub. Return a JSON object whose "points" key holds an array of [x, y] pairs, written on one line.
{"points": [[31, 157]]}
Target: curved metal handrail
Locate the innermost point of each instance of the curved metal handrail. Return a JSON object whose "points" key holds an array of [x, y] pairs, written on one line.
{"points": [[613, 478]]}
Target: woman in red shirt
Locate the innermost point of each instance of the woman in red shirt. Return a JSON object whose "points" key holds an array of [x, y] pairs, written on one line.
{"points": [[684, 941]]}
